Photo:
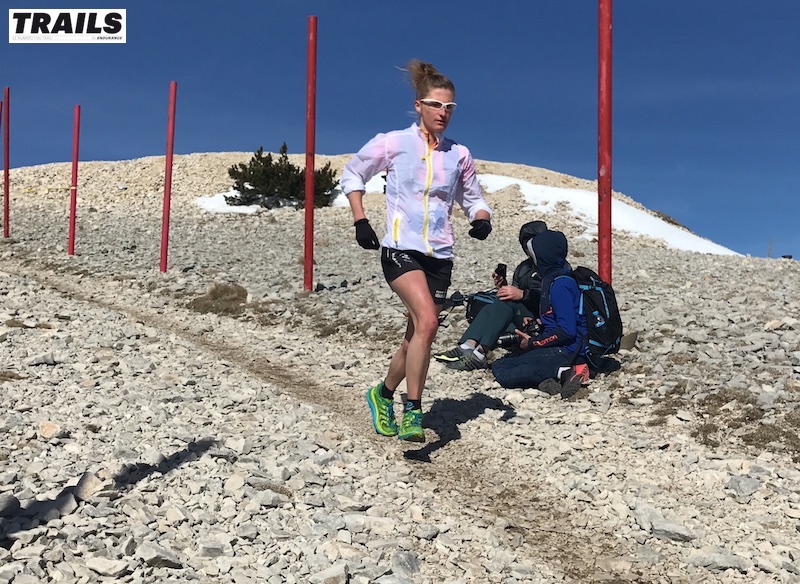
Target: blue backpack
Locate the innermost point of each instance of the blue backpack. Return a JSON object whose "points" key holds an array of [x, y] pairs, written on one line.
{"points": [[603, 320]]}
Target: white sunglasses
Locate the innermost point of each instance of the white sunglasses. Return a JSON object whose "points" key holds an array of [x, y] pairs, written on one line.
{"points": [[436, 104]]}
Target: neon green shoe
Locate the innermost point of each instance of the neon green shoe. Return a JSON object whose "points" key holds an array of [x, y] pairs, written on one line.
{"points": [[382, 411], [411, 427]]}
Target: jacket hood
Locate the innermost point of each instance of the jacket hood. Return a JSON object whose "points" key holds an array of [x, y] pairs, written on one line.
{"points": [[529, 231], [550, 248]]}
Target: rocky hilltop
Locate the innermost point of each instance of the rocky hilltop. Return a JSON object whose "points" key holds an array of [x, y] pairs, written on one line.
{"points": [[208, 423]]}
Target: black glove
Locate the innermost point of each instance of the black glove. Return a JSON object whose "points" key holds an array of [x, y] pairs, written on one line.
{"points": [[365, 235], [481, 228]]}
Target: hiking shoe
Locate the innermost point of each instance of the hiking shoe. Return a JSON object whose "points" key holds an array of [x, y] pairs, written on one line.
{"points": [[411, 427], [382, 411], [550, 386], [572, 379], [452, 355], [468, 362]]}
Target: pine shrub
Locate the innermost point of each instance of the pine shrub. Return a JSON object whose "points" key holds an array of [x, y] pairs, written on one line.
{"points": [[278, 183]]}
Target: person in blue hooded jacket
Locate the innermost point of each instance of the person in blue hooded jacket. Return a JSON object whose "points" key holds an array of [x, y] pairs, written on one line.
{"points": [[557, 351], [516, 305]]}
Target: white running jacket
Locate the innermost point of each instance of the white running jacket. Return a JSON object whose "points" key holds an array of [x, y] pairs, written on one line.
{"points": [[422, 184]]}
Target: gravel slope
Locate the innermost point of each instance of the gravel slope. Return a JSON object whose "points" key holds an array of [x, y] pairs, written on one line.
{"points": [[146, 440]]}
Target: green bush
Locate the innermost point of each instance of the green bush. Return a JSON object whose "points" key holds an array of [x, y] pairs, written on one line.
{"points": [[278, 183]]}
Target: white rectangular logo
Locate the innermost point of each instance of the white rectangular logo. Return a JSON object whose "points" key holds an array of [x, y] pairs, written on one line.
{"points": [[72, 25]]}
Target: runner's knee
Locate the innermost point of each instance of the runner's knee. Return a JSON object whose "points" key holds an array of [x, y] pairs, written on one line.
{"points": [[426, 327]]}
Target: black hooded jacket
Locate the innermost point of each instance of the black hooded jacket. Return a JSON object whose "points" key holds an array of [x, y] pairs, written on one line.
{"points": [[527, 279], [525, 275]]}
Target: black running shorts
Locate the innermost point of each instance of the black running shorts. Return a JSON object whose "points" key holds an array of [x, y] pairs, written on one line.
{"points": [[396, 262]]}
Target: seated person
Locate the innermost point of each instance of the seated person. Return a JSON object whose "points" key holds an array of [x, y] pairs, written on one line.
{"points": [[556, 352], [518, 301]]}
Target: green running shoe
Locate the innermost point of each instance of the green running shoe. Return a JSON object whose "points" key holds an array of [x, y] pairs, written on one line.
{"points": [[411, 427], [382, 411]]}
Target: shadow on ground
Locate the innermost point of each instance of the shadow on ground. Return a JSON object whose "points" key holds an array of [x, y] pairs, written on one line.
{"points": [[446, 415], [21, 517], [133, 473]]}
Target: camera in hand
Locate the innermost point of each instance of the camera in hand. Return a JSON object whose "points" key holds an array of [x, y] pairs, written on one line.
{"points": [[508, 340], [533, 328]]}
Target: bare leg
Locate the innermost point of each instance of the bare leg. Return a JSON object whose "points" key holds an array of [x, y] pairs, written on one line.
{"points": [[411, 360]]}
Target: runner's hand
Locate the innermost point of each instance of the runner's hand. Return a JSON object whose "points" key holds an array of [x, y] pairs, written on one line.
{"points": [[481, 228], [365, 235]]}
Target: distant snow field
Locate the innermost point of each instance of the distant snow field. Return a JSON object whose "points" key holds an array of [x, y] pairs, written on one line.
{"points": [[623, 216]]}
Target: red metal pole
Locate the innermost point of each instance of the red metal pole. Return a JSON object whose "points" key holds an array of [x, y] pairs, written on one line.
{"points": [[73, 188], [6, 200], [311, 108], [173, 90], [604, 141], [1, 125]]}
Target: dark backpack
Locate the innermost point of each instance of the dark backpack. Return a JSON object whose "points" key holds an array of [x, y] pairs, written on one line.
{"points": [[474, 303], [478, 301], [603, 321]]}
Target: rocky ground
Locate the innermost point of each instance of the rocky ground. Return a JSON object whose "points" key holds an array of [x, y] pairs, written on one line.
{"points": [[208, 423]]}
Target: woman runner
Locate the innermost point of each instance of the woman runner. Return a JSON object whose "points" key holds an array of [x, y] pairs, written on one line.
{"points": [[426, 174]]}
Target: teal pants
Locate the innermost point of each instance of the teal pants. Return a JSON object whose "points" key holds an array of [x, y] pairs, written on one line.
{"points": [[494, 320]]}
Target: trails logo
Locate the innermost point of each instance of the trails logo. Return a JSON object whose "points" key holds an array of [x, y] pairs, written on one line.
{"points": [[44, 25]]}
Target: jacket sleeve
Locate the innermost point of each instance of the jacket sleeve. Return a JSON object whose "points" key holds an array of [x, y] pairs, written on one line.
{"points": [[364, 165], [563, 300], [516, 279], [527, 279], [469, 194]]}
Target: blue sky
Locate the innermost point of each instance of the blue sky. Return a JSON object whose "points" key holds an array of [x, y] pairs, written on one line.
{"points": [[706, 92]]}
